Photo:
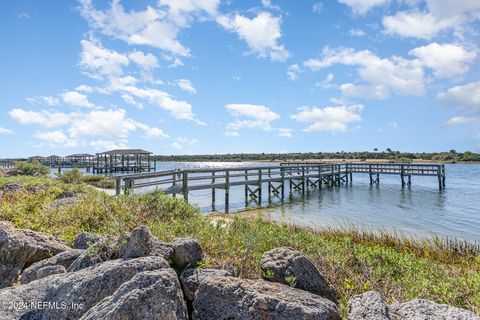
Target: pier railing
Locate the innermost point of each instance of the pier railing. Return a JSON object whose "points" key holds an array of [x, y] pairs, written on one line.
{"points": [[298, 177]]}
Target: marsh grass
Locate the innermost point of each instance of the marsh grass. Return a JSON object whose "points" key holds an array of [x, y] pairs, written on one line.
{"points": [[353, 260]]}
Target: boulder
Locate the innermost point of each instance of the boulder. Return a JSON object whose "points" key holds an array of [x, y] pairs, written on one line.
{"points": [[63, 202], [143, 243], [291, 267], [148, 295], [101, 251], [49, 270], [191, 278], [186, 251], [63, 259], [66, 194], [12, 187], [20, 248], [85, 239], [429, 310], [368, 306], [234, 298], [70, 295]]}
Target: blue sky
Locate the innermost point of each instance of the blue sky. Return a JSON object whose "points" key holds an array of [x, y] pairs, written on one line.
{"points": [[211, 76]]}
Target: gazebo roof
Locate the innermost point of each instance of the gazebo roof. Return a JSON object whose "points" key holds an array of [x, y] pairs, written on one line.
{"points": [[77, 155], [125, 151]]}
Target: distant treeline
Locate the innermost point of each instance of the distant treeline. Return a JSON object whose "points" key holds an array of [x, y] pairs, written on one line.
{"points": [[450, 156]]}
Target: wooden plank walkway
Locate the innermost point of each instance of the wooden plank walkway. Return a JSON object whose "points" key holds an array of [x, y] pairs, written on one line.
{"points": [[298, 176]]}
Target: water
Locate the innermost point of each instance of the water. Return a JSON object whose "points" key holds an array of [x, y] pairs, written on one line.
{"points": [[422, 210]]}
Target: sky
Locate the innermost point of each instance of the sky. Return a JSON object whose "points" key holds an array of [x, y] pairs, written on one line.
{"points": [[212, 76]]}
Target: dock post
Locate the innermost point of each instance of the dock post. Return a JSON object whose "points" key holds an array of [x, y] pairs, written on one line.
{"points": [[283, 182], [443, 176], [246, 188], [346, 174], [128, 186], [303, 180], [269, 184], [185, 185], [370, 173], [439, 175], [402, 173], [320, 177], [117, 186], [174, 184], [260, 187], [227, 190], [213, 191]]}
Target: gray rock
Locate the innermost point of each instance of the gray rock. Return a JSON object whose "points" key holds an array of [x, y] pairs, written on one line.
{"points": [[12, 187], [66, 194], [191, 278], [78, 291], [101, 251], [85, 239], [233, 298], [368, 306], [148, 295], [429, 310], [186, 251], [63, 202], [20, 248], [143, 243], [287, 266], [63, 259], [49, 270]]}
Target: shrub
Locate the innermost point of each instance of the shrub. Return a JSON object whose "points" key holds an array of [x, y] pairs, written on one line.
{"points": [[23, 168], [72, 176]]}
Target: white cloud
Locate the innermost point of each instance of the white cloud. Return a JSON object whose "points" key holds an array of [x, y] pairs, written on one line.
{"points": [[80, 128], [415, 24], [48, 100], [329, 119], [446, 60], [155, 133], [176, 63], [186, 85], [178, 109], [149, 27], [317, 7], [76, 99], [56, 138], [85, 88], [182, 142], [467, 96], [268, 4], [99, 61], [5, 131], [131, 101], [103, 145], [383, 75], [284, 132], [176, 145], [44, 118], [467, 99], [459, 120], [327, 82], [356, 32], [145, 61], [292, 72], [258, 116], [261, 34], [439, 15], [363, 6], [232, 134]]}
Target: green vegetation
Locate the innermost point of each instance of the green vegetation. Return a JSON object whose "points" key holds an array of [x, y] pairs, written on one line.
{"points": [[76, 176], [23, 168], [354, 261], [387, 155]]}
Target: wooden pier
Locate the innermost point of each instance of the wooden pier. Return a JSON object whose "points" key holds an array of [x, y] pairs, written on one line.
{"points": [[299, 177]]}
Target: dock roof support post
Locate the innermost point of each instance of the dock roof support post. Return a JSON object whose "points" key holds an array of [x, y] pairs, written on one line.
{"points": [[227, 190], [185, 185]]}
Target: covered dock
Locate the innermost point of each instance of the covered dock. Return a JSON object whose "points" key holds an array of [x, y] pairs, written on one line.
{"points": [[124, 160], [80, 160]]}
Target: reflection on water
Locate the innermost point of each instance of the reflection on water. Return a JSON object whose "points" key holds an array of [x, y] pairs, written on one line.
{"points": [[420, 210]]}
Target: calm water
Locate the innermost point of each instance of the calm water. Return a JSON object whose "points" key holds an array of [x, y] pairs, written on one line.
{"points": [[421, 210]]}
